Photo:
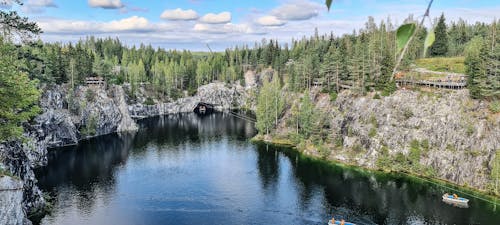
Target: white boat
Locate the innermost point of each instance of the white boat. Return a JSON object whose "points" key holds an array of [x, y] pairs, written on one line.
{"points": [[454, 199]]}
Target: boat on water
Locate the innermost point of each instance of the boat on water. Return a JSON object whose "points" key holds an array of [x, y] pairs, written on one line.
{"points": [[339, 222], [454, 199]]}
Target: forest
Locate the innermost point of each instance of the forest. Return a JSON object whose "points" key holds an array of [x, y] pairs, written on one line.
{"points": [[362, 60]]}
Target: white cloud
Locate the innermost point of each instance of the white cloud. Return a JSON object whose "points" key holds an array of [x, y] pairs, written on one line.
{"points": [[228, 28], [270, 21], [131, 24], [41, 3], [179, 14], [297, 10], [37, 6], [223, 17], [106, 4]]}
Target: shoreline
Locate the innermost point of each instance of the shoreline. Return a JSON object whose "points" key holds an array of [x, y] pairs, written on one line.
{"points": [[469, 191]]}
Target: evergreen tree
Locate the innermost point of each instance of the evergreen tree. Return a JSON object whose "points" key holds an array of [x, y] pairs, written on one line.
{"points": [[18, 95], [306, 116], [474, 66], [440, 46]]}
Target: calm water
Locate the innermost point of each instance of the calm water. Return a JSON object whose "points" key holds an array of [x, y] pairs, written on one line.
{"points": [[185, 169]]}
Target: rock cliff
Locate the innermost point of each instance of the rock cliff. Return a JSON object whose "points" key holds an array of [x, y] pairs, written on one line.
{"points": [[443, 134], [67, 117], [223, 96]]}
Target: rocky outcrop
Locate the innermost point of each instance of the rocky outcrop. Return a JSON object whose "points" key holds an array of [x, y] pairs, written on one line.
{"points": [[69, 116], [221, 95], [11, 197], [19, 158], [455, 136]]}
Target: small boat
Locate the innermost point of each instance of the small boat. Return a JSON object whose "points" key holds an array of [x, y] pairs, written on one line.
{"points": [[454, 199], [339, 222]]}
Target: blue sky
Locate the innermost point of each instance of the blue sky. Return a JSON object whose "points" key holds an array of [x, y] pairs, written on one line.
{"points": [[191, 24]]}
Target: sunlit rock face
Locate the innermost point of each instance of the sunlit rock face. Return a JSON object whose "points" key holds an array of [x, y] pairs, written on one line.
{"points": [[69, 116], [461, 134], [19, 193], [222, 96], [11, 197]]}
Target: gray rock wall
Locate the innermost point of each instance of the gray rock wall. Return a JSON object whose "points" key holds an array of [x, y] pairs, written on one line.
{"points": [[461, 133], [11, 194], [223, 96]]}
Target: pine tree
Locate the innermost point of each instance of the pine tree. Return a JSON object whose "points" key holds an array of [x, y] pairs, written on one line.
{"points": [[474, 66], [18, 95], [440, 46], [306, 116]]}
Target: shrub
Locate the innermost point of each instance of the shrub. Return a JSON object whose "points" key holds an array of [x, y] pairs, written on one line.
{"points": [[90, 128], [90, 95], [339, 141], [495, 106], [415, 152], [357, 148], [407, 113], [333, 96], [425, 145], [389, 88], [373, 132], [149, 101]]}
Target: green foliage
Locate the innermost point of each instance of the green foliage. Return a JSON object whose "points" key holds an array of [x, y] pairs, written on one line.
{"points": [[495, 106], [73, 104], [373, 132], [18, 95], [333, 96], [415, 152], [440, 46], [270, 105], [90, 127], [328, 4], [90, 95], [407, 113], [442, 64], [306, 116], [323, 150], [12, 23], [149, 101], [429, 41], [389, 88], [403, 35], [376, 96], [481, 62], [495, 173], [4, 172]]}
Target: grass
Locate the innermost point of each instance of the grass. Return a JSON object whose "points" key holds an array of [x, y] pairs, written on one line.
{"points": [[442, 64], [495, 107]]}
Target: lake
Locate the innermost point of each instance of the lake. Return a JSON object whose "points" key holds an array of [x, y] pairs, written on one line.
{"points": [[187, 169]]}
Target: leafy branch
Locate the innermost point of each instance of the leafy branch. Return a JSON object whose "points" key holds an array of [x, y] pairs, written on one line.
{"points": [[404, 35]]}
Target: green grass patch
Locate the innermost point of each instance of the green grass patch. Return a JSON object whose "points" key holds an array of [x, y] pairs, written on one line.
{"points": [[442, 64], [495, 106]]}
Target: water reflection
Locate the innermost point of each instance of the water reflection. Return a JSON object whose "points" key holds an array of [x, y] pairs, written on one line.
{"points": [[186, 169]]}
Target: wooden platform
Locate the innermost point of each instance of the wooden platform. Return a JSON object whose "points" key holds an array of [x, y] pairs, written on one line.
{"points": [[434, 84]]}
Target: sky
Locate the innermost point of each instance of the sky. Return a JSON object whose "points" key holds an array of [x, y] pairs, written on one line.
{"points": [[192, 24]]}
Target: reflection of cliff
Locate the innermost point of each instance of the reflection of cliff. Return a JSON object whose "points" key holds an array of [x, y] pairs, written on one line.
{"points": [[389, 198], [87, 164], [179, 128]]}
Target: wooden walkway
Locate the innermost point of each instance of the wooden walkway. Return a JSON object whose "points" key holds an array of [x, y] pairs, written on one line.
{"points": [[434, 84]]}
